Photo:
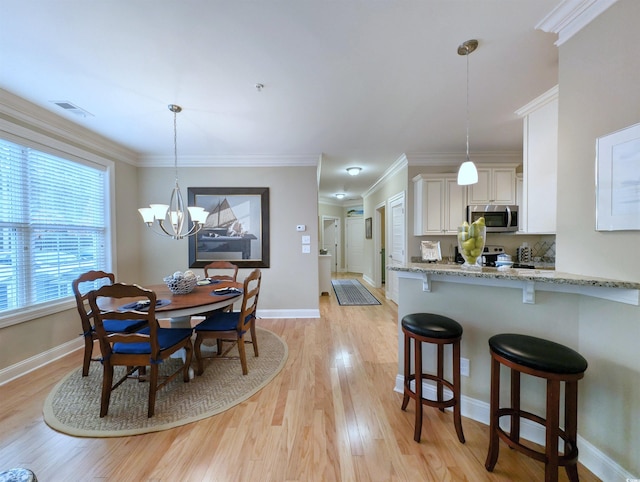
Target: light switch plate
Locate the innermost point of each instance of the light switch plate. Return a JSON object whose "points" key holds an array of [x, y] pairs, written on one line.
{"points": [[306, 239], [306, 249]]}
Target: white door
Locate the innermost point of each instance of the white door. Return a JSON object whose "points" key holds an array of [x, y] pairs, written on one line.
{"points": [[355, 245], [331, 240], [396, 243]]}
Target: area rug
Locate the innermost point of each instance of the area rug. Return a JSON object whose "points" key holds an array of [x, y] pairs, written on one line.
{"points": [[73, 406], [350, 292]]}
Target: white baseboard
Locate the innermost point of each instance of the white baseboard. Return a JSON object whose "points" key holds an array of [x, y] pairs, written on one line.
{"points": [[26, 366], [593, 459], [302, 313], [368, 280]]}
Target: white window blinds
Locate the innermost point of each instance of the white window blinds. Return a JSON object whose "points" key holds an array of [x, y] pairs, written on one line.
{"points": [[52, 225]]}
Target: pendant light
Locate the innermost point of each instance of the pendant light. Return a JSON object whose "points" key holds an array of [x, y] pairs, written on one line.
{"points": [[157, 214], [467, 174]]}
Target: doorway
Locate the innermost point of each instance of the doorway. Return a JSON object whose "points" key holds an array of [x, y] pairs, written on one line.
{"points": [[355, 245], [397, 241], [331, 240], [379, 244]]}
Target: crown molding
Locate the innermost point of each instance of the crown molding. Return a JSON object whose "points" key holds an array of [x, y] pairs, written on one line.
{"points": [[455, 158], [391, 171], [232, 161], [25, 115], [535, 104], [571, 16]]}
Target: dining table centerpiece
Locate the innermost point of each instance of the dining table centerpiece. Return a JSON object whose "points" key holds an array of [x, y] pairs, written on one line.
{"points": [[471, 239], [181, 283]]}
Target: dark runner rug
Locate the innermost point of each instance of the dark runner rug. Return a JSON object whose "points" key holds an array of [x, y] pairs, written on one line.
{"points": [[73, 406], [350, 292]]}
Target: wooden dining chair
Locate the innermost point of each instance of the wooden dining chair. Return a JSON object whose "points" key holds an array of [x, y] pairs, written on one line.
{"points": [[231, 327], [226, 272], [93, 280], [229, 271], [148, 347]]}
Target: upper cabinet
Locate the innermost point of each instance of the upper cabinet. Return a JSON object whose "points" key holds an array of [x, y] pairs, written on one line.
{"points": [[540, 164], [439, 204], [496, 185]]}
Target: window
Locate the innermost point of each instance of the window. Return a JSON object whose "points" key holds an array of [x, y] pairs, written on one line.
{"points": [[52, 225]]}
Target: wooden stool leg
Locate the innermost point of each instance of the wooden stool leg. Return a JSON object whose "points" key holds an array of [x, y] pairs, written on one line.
{"points": [[457, 418], [407, 368], [418, 389], [552, 427], [514, 433], [571, 425], [494, 405], [440, 368]]}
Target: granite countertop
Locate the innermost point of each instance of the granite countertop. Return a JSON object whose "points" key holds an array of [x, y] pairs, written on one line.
{"points": [[538, 275]]}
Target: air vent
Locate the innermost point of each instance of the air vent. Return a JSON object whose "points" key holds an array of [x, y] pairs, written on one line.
{"points": [[72, 108]]}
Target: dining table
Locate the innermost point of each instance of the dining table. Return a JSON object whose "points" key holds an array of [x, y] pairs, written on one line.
{"points": [[179, 308]]}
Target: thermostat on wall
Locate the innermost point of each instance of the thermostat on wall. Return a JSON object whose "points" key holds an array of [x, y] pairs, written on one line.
{"points": [[301, 227]]}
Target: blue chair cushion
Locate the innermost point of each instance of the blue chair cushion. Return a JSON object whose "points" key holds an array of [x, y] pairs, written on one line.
{"points": [[220, 321], [117, 326], [167, 337]]}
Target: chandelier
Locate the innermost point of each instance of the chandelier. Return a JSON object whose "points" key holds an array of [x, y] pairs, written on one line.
{"points": [[171, 219], [467, 174]]}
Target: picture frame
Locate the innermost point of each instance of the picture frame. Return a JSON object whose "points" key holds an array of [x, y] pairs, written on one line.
{"points": [[368, 229], [618, 180], [237, 228]]}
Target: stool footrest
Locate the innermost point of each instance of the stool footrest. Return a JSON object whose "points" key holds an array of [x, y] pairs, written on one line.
{"points": [[570, 455], [432, 403]]}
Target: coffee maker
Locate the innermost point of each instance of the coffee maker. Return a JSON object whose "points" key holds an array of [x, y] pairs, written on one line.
{"points": [[490, 254]]}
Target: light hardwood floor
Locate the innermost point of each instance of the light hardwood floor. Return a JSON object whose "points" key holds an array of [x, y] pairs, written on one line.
{"points": [[330, 415]]}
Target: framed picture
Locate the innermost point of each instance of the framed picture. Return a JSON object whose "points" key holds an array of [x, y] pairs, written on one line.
{"points": [[367, 228], [618, 180], [237, 228]]}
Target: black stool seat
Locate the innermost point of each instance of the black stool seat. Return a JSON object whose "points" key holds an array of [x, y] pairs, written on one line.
{"points": [[431, 325], [438, 330], [538, 354]]}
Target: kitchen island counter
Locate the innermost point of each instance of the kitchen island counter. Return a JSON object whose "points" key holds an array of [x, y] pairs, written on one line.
{"points": [[529, 280]]}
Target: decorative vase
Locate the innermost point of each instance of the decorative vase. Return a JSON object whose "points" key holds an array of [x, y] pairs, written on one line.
{"points": [[471, 238]]}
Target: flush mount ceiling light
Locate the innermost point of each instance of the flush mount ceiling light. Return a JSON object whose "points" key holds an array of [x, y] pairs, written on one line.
{"points": [[354, 171], [156, 214], [467, 174], [340, 195]]}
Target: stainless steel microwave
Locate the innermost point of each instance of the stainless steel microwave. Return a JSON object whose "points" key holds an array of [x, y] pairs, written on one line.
{"points": [[499, 218]]}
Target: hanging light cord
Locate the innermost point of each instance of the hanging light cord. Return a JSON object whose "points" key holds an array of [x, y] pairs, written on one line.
{"points": [[467, 55], [175, 141]]}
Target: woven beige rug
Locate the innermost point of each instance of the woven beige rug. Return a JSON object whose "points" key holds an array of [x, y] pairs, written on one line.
{"points": [[73, 406]]}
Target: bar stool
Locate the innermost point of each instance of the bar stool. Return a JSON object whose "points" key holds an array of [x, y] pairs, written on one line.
{"points": [[555, 363], [441, 331]]}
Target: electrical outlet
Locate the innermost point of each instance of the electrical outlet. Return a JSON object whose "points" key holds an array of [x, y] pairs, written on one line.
{"points": [[464, 367]]}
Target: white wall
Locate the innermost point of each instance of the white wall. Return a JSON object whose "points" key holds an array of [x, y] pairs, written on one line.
{"points": [[599, 93], [291, 281], [395, 183]]}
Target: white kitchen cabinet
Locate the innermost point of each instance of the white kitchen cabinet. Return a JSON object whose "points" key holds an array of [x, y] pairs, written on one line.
{"points": [[496, 185], [519, 195], [540, 164], [439, 204]]}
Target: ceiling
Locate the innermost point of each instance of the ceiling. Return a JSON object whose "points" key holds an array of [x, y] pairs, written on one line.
{"points": [[350, 82]]}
